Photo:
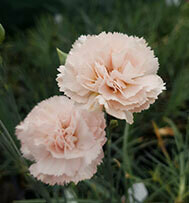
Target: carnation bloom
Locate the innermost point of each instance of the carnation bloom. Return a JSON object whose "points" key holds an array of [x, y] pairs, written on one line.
{"points": [[64, 141], [111, 70]]}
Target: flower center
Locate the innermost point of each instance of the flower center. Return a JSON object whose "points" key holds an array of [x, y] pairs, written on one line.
{"points": [[64, 139]]}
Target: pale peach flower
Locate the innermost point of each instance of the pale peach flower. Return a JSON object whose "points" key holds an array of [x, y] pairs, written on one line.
{"points": [[111, 70], [64, 142]]}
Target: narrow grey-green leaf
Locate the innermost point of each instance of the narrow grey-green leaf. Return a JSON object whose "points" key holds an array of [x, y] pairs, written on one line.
{"points": [[62, 56], [2, 34]]}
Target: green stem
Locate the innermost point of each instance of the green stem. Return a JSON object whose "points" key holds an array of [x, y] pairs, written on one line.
{"points": [[126, 161], [109, 161], [182, 180]]}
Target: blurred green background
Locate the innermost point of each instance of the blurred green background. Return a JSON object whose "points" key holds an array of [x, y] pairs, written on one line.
{"points": [[153, 153]]}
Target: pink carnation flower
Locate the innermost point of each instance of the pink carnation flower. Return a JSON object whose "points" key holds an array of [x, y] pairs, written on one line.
{"points": [[64, 141], [113, 71]]}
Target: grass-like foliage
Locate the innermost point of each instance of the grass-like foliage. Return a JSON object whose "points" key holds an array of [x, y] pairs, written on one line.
{"points": [[153, 151]]}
